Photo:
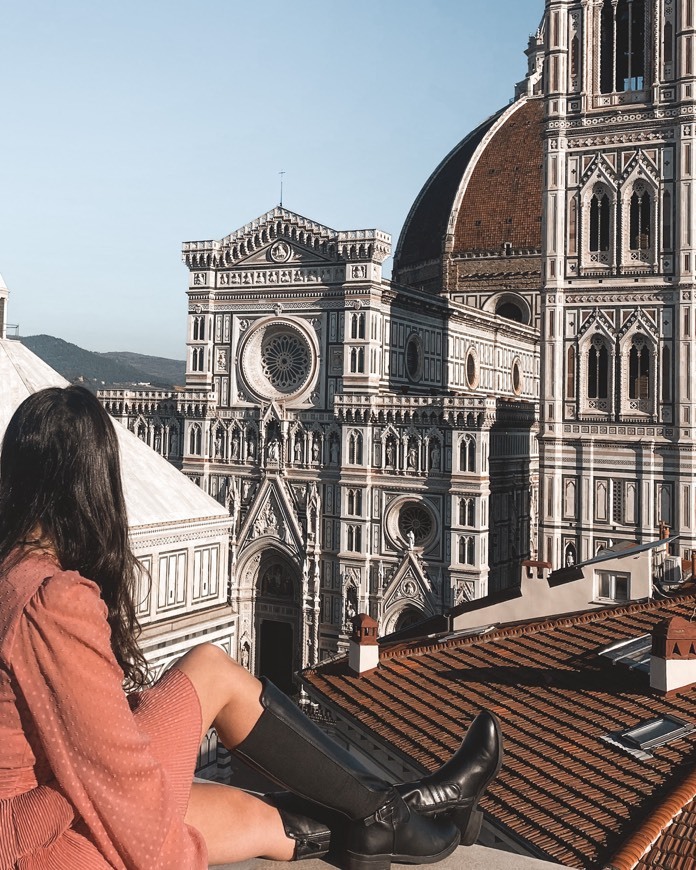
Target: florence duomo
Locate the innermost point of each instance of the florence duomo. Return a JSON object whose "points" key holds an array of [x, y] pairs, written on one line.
{"points": [[520, 391]]}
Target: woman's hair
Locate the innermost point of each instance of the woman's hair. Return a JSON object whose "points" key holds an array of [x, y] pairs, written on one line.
{"points": [[60, 481]]}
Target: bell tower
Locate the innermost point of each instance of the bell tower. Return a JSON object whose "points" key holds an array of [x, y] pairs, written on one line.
{"points": [[617, 399]]}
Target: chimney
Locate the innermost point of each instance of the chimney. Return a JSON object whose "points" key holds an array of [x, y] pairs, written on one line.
{"points": [[673, 658], [4, 295], [363, 652]]}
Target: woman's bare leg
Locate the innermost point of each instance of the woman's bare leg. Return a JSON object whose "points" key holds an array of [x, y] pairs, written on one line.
{"points": [[236, 825]]}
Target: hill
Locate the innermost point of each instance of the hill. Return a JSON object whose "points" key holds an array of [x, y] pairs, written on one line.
{"points": [[103, 370]]}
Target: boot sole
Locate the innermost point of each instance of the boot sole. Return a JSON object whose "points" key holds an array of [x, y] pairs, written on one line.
{"points": [[352, 861]]}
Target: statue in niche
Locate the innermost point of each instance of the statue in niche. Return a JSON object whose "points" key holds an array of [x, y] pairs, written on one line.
{"points": [[246, 487], [435, 456], [245, 657], [412, 455], [235, 445], [273, 450], [315, 449], [298, 449], [351, 609], [333, 450], [391, 453], [251, 446], [141, 432], [219, 440], [157, 444], [411, 538]]}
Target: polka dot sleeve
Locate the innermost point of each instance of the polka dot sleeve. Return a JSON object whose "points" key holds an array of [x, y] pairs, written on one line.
{"points": [[72, 685]]}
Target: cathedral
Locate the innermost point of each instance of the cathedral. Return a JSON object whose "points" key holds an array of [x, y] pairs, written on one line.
{"points": [[520, 389]]}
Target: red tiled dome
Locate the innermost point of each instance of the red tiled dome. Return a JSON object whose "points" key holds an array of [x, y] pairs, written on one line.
{"points": [[485, 194]]}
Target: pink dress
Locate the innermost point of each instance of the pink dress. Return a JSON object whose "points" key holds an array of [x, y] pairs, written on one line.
{"points": [[89, 778]]}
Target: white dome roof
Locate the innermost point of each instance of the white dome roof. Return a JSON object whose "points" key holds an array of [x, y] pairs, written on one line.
{"points": [[156, 492]]}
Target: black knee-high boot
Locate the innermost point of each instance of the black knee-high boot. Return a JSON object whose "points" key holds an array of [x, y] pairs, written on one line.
{"points": [[286, 746]]}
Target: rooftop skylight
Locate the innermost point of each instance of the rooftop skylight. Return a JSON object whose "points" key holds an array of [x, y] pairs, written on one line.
{"points": [[634, 652], [649, 734]]}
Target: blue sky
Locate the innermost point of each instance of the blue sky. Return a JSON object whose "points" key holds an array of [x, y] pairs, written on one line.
{"points": [[130, 127]]}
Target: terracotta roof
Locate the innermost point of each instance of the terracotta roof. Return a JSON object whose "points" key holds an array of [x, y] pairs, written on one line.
{"points": [[502, 199], [424, 231], [563, 791]]}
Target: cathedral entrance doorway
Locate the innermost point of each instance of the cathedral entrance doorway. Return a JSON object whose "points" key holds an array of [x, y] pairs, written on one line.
{"points": [[276, 653], [278, 618]]}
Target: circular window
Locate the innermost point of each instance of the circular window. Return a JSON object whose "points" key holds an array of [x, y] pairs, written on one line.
{"points": [[414, 358], [472, 375], [278, 360], [517, 381], [285, 361], [416, 520]]}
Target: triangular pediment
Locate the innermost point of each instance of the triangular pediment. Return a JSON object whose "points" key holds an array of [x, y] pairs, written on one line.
{"points": [[410, 585], [272, 515]]}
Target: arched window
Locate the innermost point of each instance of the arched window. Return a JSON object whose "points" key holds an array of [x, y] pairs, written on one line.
{"points": [[355, 539], [195, 440], [355, 448], [622, 49], [361, 325], [570, 373], [361, 359], [355, 502], [467, 454], [640, 219], [639, 369], [599, 222], [353, 360], [466, 550], [199, 328], [466, 512], [354, 326], [597, 370]]}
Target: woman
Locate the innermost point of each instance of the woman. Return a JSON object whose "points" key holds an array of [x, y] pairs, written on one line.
{"points": [[92, 778]]}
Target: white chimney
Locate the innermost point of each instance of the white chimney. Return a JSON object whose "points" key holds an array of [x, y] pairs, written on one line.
{"points": [[363, 652], [673, 659]]}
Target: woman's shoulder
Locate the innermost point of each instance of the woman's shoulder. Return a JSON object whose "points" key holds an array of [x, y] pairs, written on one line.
{"points": [[37, 583]]}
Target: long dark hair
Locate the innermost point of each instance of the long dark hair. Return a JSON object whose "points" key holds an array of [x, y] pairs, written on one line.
{"points": [[60, 480]]}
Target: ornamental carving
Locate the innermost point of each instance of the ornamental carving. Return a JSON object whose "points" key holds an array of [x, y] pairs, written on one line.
{"points": [[278, 360], [280, 251]]}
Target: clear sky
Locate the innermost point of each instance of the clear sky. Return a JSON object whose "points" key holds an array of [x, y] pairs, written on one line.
{"points": [[131, 126]]}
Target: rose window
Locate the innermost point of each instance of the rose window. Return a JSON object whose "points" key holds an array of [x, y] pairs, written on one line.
{"points": [[415, 519], [278, 360], [285, 361]]}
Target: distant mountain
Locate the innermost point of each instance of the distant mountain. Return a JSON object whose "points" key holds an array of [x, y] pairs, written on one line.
{"points": [[102, 370]]}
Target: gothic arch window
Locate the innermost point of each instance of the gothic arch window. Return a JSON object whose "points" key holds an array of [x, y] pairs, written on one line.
{"points": [[355, 539], [622, 46], [199, 328], [639, 366], [600, 221], [466, 550], [357, 326], [597, 369], [195, 440], [355, 502], [466, 511], [640, 218], [361, 359], [355, 448], [353, 360], [467, 454]]}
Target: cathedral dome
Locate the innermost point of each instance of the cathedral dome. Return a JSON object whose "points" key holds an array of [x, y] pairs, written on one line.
{"points": [[481, 206]]}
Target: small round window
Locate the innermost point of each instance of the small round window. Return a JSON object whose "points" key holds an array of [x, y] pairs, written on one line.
{"points": [[414, 358], [472, 370], [517, 380]]}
